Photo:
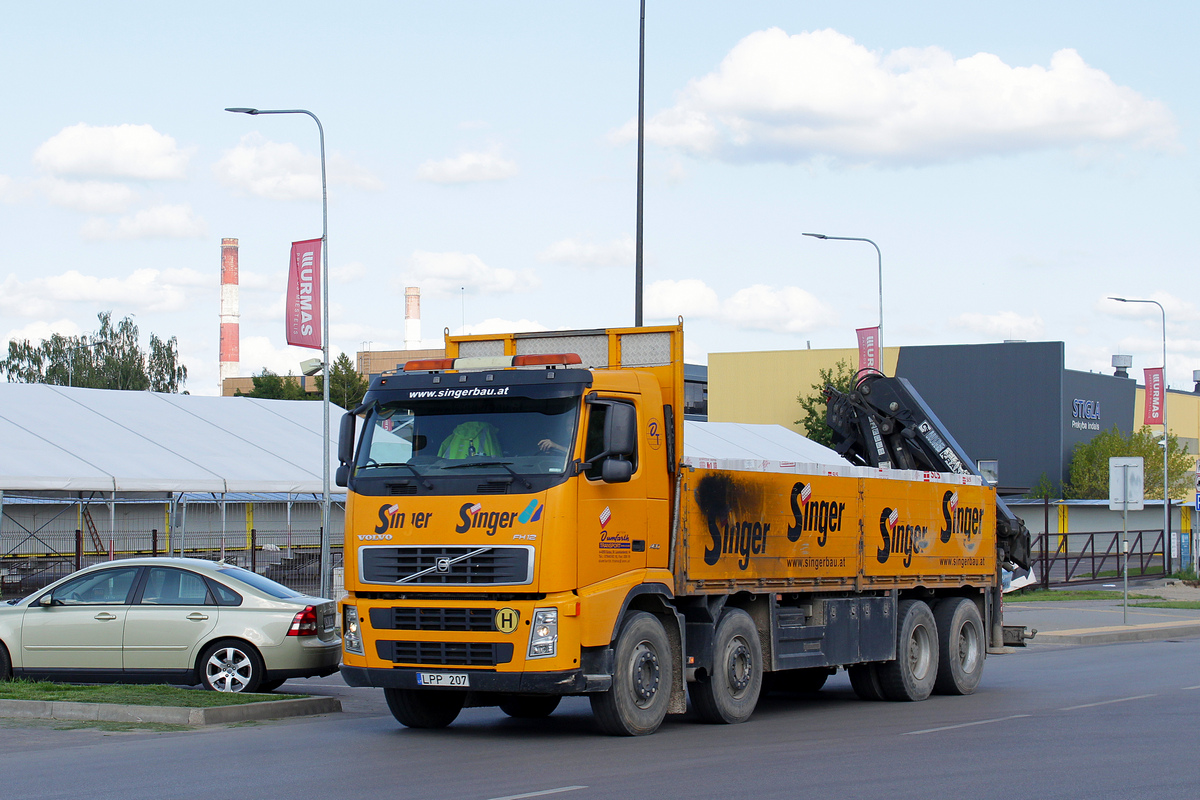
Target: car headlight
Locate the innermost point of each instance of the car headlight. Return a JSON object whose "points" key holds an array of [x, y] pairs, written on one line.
{"points": [[351, 634], [543, 633]]}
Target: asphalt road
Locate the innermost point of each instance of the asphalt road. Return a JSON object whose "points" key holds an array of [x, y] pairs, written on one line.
{"points": [[1116, 721]]}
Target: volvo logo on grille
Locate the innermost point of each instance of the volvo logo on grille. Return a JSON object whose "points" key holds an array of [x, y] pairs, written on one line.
{"points": [[443, 565]]}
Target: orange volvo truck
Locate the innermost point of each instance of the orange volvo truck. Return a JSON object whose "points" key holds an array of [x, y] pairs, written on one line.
{"points": [[524, 522]]}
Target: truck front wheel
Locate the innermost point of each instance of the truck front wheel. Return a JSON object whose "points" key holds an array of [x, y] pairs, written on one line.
{"points": [[730, 693], [415, 708], [637, 702], [960, 646], [912, 674]]}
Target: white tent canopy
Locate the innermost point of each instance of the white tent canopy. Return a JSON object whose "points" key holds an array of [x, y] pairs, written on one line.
{"points": [[55, 438], [740, 440]]}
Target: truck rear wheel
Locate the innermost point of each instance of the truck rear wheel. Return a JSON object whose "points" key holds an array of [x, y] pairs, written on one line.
{"points": [[416, 708], [864, 679], [911, 676], [960, 646], [529, 706], [637, 701], [730, 693]]}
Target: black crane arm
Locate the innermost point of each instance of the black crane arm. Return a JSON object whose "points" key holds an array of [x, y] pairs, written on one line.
{"points": [[884, 422]]}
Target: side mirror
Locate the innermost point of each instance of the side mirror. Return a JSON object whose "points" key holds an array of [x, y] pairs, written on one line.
{"points": [[45, 601], [614, 471], [342, 476], [620, 430], [346, 440]]}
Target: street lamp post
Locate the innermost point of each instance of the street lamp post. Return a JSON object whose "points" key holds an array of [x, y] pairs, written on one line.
{"points": [[325, 560], [1166, 437], [878, 253]]}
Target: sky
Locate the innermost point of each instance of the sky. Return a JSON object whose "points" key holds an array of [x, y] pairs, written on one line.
{"points": [[1015, 163]]}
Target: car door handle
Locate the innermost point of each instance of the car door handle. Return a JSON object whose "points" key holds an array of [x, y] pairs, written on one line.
{"points": [[106, 616], [196, 616]]}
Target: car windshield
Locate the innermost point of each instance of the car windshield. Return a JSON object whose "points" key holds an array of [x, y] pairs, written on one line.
{"points": [[517, 435], [259, 582]]}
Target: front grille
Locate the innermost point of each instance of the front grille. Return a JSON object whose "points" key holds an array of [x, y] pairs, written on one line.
{"points": [[497, 487], [433, 619], [402, 488], [447, 566], [448, 654]]}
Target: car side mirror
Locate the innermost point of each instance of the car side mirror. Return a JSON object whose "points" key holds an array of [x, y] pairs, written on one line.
{"points": [[614, 471], [346, 440], [45, 601], [342, 476]]}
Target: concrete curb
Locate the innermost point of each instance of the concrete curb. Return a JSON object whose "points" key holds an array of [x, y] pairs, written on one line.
{"points": [[168, 715], [1118, 633]]}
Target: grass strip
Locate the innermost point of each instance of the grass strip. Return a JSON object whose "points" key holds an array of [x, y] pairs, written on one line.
{"points": [[1184, 604], [1042, 595], [129, 694]]}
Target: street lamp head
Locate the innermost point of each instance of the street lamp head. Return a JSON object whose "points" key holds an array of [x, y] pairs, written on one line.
{"points": [[1119, 299], [243, 110], [817, 235]]}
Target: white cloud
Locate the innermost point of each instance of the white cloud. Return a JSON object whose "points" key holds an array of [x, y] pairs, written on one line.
{"points": [[159, 222], [1005, 325], [93, 197], [449, 273], [468, 168], [786, 309], [280, 171], [256, 352], [41, 330], [127, 151], [617, 253], [499, 325], [690, 297], [144, 289], [348, 273], [816, 94]]}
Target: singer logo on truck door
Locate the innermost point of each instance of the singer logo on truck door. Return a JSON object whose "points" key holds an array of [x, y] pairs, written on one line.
{"points": [[820, 516]]}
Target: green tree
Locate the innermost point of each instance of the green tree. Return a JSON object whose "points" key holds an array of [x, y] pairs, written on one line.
{"points": [[109, 358], [1089, 463], [841, 377], [1044, 488], [269, 386], [346, 386]]}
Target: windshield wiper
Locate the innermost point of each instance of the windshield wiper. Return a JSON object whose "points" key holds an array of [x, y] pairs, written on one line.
{"points": [[504, 464], [405, 464]]}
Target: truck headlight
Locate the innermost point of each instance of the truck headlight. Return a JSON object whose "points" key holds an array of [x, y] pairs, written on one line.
{"points": [[543, 633], [351, 634]]}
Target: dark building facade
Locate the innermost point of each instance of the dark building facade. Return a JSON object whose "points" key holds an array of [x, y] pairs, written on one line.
{"points": [[1017, 403]]}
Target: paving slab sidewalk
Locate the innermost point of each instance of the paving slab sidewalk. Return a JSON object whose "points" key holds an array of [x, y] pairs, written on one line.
{"points": [[1087, 622]]}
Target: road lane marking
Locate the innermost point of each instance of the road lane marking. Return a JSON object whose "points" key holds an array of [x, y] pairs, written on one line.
{"points": [[1189, 688], [965, 725], [542, 793], [1107, 702]]}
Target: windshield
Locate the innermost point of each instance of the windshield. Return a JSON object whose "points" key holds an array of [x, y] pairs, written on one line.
{"points": [[517, 435]]}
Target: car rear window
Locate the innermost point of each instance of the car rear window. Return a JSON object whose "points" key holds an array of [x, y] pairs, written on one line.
{"points": [[259, 582]]}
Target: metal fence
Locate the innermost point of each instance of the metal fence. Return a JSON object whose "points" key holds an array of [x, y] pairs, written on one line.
{"points": [[1080, 558], [30, 560]]}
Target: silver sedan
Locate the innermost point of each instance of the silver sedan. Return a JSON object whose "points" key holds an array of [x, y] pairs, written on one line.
{"points": [[169, 620]]}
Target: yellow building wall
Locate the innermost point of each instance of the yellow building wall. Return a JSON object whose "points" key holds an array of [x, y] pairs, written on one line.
{"points": [[1183, 416], [762, 387]]}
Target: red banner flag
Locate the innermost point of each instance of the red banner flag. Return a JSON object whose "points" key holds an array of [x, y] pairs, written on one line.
{"points": [[868, 349], [1155, 396], [302, 314]]}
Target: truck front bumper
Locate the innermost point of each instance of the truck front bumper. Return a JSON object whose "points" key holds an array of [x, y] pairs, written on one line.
{"points": [[570, 682]]}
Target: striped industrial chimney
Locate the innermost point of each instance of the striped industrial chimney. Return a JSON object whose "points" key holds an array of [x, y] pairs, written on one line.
{"points": [[412, 318], [229, 310]]}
